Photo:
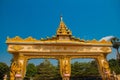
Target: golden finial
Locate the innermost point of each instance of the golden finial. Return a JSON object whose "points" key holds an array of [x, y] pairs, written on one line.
{"points": [[8, 37], [61, 18]]}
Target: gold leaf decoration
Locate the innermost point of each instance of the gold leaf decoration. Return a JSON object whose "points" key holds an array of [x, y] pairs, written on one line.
{"points": [[63, 30], [105, 49], [104, 41], [17, 38], [37, 47], [17, 47], [94, 41], [30, 39]]}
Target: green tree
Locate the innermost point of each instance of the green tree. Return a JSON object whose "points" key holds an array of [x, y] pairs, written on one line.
{"points": [[46, 71], [4, 69], [114, 66], [57, 73], [93, 69], [76, 69], [79, 69], [31, 70]]}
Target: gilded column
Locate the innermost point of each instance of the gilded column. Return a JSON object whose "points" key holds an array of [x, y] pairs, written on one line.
{"points": [[18, 66], [104, 67], [23, 61], [15, 67], [65, 68]]}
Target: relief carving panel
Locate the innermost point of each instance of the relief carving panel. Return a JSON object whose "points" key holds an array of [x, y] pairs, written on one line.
{"points": [[54, 48]]}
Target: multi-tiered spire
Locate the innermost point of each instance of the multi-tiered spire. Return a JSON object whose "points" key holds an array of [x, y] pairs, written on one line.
{"points": [[62, 29], [62, 34]]}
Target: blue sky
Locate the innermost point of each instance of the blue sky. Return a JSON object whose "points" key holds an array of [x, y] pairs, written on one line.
{"points": [[87, 19]]}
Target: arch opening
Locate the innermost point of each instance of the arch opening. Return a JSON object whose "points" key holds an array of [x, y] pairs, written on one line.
{"points": [[42, 68]]}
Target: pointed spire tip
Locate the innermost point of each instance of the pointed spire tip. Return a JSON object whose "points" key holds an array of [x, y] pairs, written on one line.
{"points": [[61, 18]]}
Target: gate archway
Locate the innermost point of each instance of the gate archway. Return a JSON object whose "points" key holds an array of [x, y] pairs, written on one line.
{"points": [[63, 47]]}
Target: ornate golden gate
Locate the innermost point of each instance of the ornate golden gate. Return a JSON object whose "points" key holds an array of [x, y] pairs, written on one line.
{"points": [[63, 47]]}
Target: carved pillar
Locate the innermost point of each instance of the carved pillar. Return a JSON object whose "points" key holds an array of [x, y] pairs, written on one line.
{"points": [[18, 66], [65, 68], [100, 68], [22, 59], [104, 67], [15, 66]]}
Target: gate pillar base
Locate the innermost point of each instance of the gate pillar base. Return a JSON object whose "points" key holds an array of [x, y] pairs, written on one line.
{"points": [[66, 78]]}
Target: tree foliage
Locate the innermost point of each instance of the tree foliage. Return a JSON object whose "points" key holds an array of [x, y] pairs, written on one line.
{"points": [[31, 70], [84, 69], [4, 69], [114, 66], [46, 71]]}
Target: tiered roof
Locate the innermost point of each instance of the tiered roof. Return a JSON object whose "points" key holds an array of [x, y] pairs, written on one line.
{"points": [[62, 31]]}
